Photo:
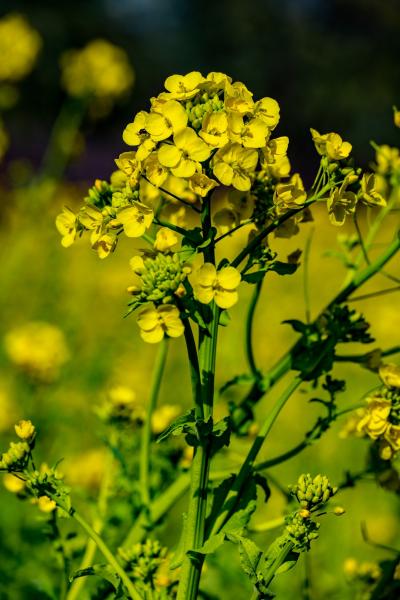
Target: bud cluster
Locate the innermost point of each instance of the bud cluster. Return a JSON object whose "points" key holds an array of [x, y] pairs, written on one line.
{"points": [[301, 530], [202, 105], [311, 492], [144, 560], [161, 276]]}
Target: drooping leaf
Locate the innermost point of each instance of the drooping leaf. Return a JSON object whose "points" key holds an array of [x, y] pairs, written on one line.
{"points": [[104, 571], [182, 424]]}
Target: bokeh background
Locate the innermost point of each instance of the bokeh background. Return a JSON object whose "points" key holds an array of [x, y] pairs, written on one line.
{"points": [[332, 65]]}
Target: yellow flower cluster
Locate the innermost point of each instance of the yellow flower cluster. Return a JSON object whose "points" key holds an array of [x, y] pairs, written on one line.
{"points": [[100, 70], [37, 348], [380, 419], [19, 47]]}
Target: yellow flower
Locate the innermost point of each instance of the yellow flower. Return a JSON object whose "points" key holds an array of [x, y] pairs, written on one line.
{"points": [[201, 184], [276, 161], [136, 219], [99, 69], [238, 98], [268, 110], [37, 348], [165, 119], [25, 430], [375, 420], [396, 120], [221, 286], [392, 437], [66, 224], [340, 204], [214, 129], [19, 47], [154, 323], [331, 145], [90, 217], [390, 375], [183, 87], [368, 193], [387, 159], [252, 134], [234, 165], [215, 81], [135, 132], [13, 484], [156, 173], [130, 165], [166, 240], [290, 194], [163, 417], [104, 243], [183, 157], [179, 188], [45, 504], [229, 207]]}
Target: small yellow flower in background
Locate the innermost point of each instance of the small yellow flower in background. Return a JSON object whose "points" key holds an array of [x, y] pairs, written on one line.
{"points": [[331, 145], [340, 204], [25, 430], [387, 159], [100, 69], [37, 348], [339, 511], [86, 470], [268, 110], [221, 286], [368, 193], [136, 219], [396, 120], [13, 484], [234, 165], [154, 323], [166, 118], [290, 194], [201, 184], [19, 47], [214, 129], [375, 420], [183, 87], [390, 375], [163, 416], [166, 240], [396, 574], [187, 457], [46, 504], [184, 156], [66, 224]]}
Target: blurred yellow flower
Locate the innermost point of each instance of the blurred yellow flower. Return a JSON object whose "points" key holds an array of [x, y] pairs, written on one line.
{"points": [[184, 156], [390, 375], [387, 159], [37, 348], [86, 470], [25, 430], [234, 165], [46, 504], [396, 120], [368, 193], [19, 47], [163, 416], [13, 484], [221, 286], [166, 240], [154, 323], [136, 219], [375, 420], [100, 70], [66, 224]]}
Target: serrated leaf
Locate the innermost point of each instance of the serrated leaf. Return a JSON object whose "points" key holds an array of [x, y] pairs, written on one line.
{"points": [[250, 555], [183, 424], [212, 544]]}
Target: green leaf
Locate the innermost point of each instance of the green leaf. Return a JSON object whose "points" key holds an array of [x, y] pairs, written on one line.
{"points": [[211, 545], [243, 379], [183, 424], [221, 434], [282, 268], [250, 555], [179, 553], [254, 277], [289, 563], [224, 318], [104, 571]]}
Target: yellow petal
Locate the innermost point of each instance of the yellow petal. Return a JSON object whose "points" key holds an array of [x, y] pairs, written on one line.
{"points": [[169, 155], [228, 278], [225, 298]]}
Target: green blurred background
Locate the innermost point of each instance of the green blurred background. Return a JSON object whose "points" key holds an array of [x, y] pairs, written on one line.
{"points": [[332, 65]]}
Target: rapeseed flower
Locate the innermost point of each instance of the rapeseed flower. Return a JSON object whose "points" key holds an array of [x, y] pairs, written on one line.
{"points": [[220, 286], [156, 322], [184, 156]]}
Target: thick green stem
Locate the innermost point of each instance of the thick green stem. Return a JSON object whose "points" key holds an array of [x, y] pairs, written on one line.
{"points": [[146, 431], [246, 468], [108, 555]]}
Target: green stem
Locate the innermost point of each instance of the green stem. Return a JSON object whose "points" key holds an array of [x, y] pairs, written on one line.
{"points": [[108, 555], [249, 329], [146, 431], [246, 469]]}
